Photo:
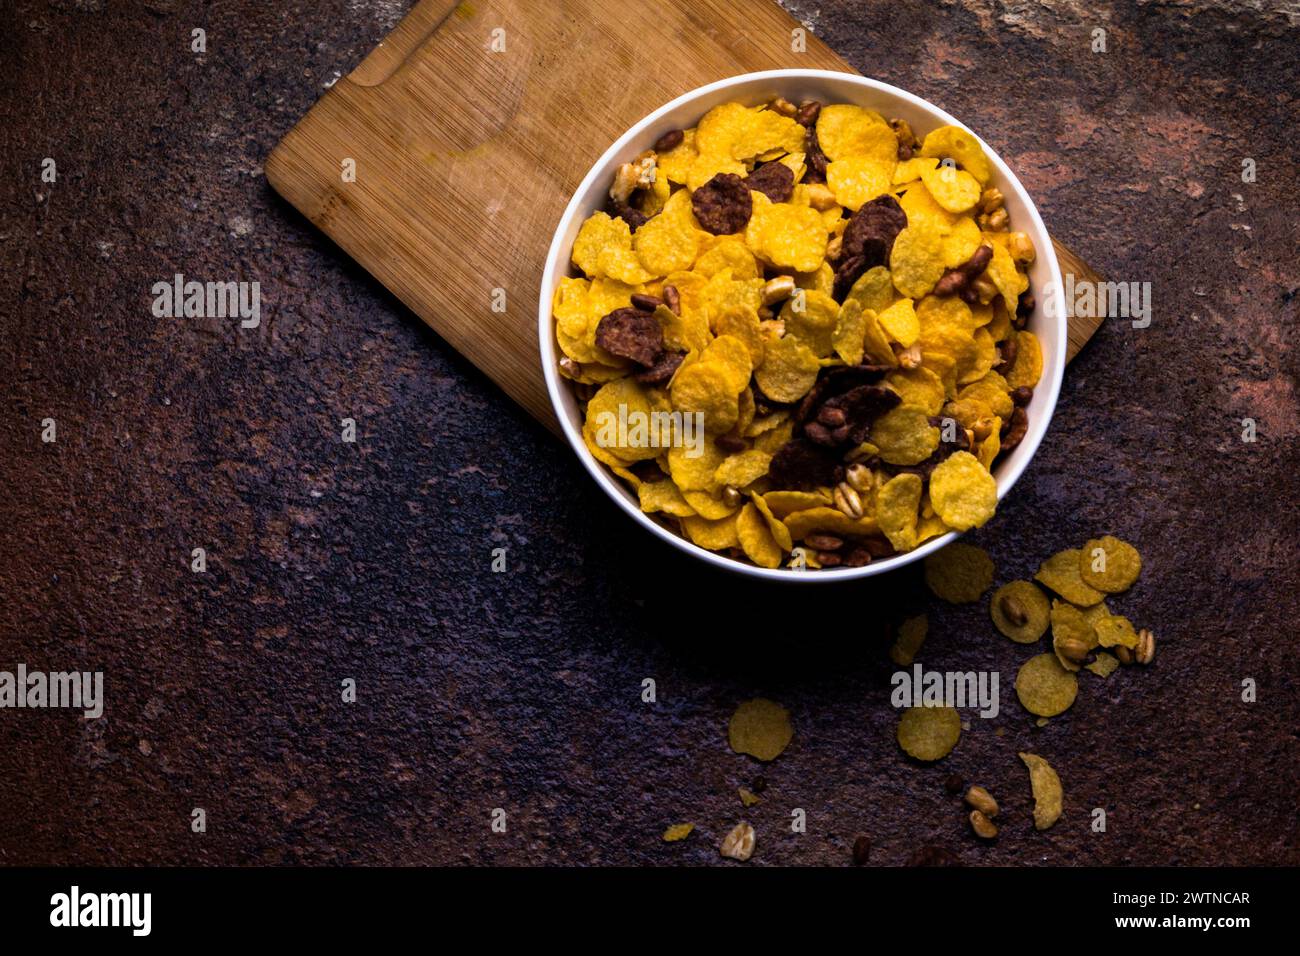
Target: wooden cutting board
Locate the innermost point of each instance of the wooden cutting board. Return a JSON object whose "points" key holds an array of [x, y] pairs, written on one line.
{"points": [[468, 128]]}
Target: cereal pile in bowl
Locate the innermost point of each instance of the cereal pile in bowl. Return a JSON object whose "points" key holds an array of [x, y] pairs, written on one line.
{"points": [[798, 333]]}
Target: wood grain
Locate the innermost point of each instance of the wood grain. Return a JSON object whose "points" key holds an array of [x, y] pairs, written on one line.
{"points": [[465, 158]]}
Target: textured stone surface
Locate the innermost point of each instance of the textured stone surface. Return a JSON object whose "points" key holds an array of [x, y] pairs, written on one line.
{"points": [[522, 690]]}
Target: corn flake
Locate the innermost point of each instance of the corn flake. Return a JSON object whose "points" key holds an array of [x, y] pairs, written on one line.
{"points": [[929, 733], [953, 142], [1060, 573], [756, 538], [1047, 790], [678, 831], [904, 435], [785, 236], [897, 501], [788, 371], [963, 493], [959, 573], [760, 728], [1044, 687], [1116, 631], [1109, 564], [911, 635], [1021, 611]]}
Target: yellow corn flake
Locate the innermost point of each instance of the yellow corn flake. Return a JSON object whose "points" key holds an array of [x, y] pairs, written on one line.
{"points": [[904, 435], [900, 323], [670, 241], [873, 290], [1104, 665], [1070, 624], [600, 453], [1109, 564], [929, 733], [695, 469], [789, 370], [773, 420], [707, 388], [916, 262], [911, 635], [949, 347], [909, 170], [1060, 573], [1048, 793], [795, 163], [676, 162], [1002, 272], [1044, 687], [844, 131], [990, 446], [771, 441], [688, 331], [822, 280], [999, 325], [930, 526], [780, 533], [959, 573], [1027, 369], [927, 216], [960, 243], [935, 312], [956, 190], [678, 831], [1116, 631], [599, 232], [963, 493], [875, 344], [992, 391], [979, 361], [690, 288], [760, 728], [953, 142], [858, 179], [917, 386], [622, 400], [743, 468], [756, 538], [850, 328], [811, 317], [832, 520], [708, 505], [785, 236], [722, 292], [741, 321], [1021, 611], [1095, 613], [653, 199], [730, 354], [727, 252], [748, 797], [897, 501], [785, 503], [707, 165], [663, 496], [713, 535]]}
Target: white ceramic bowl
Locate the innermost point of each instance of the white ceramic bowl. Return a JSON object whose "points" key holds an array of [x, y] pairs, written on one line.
{"points": [[1048, 321]]}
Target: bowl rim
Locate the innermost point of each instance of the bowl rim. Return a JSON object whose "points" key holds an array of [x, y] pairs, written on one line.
{"points": [[1051, 307]]}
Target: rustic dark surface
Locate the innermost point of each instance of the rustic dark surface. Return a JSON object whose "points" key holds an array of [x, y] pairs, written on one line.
{"points": [[522, 690]]}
